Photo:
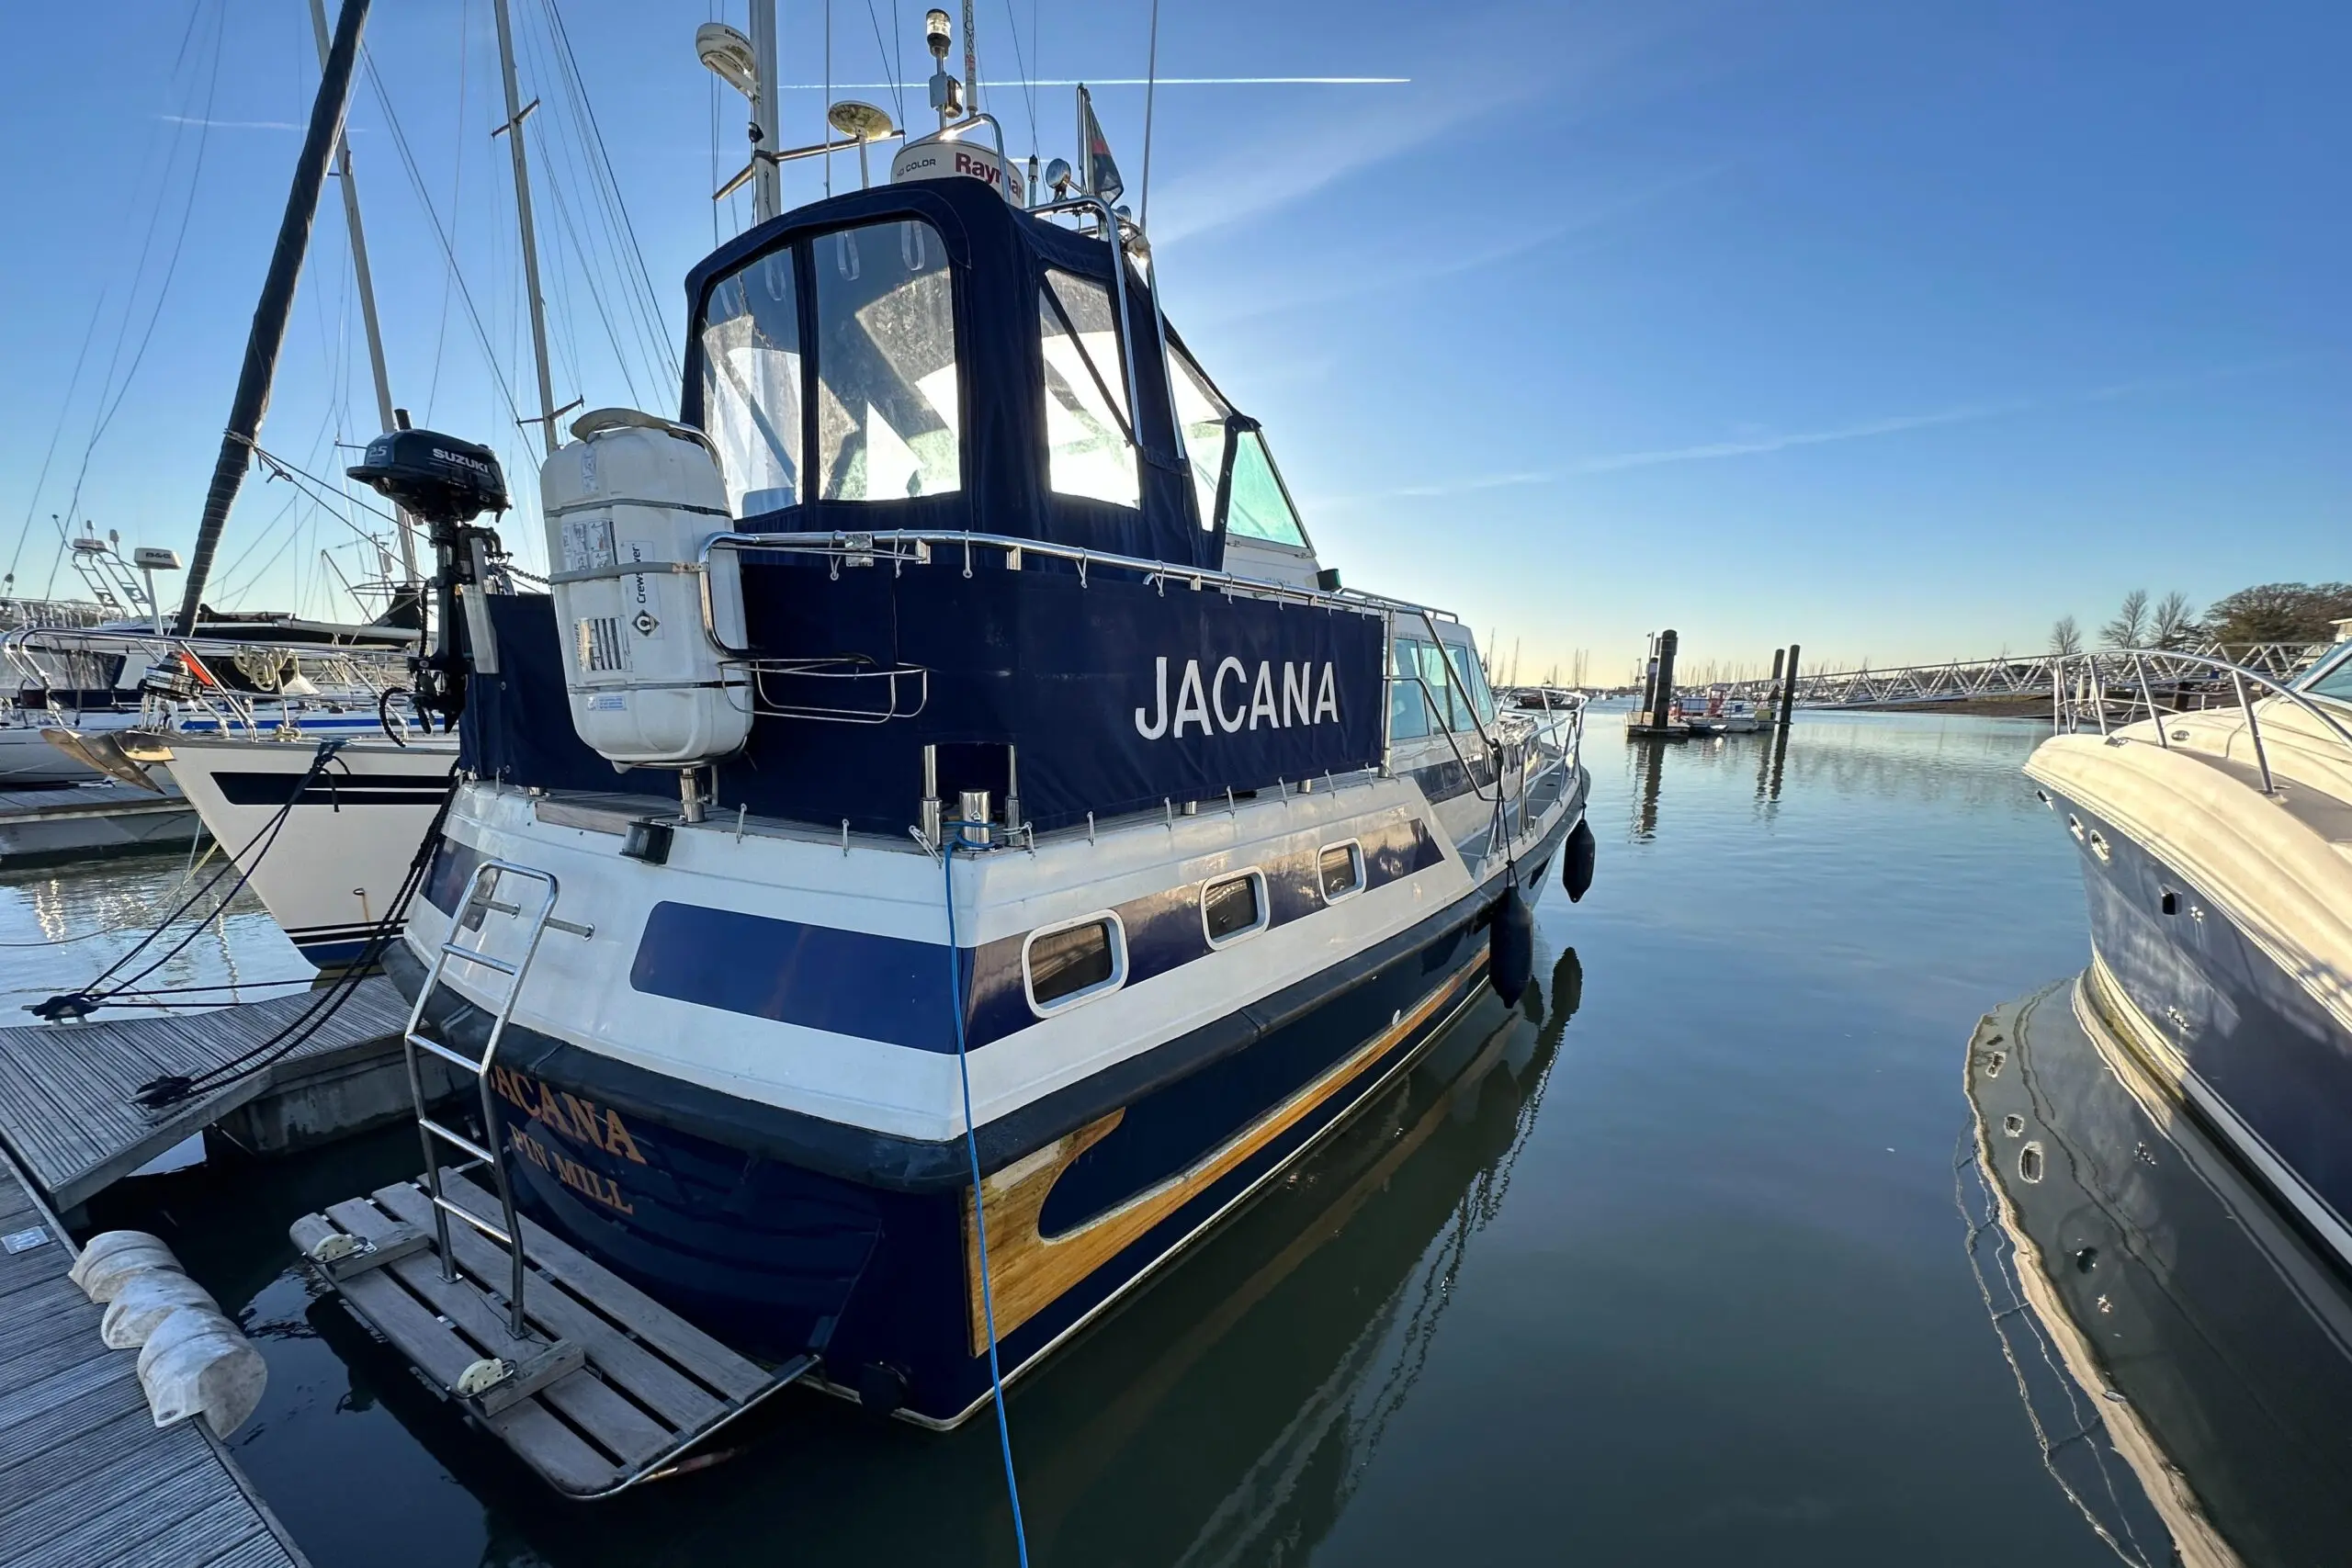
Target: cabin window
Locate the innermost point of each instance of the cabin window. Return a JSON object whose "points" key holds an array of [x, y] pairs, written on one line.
{"points": [[1233, 907], [1088, 450], [1453, 711], [1201, 414], [887, 412], [750, 384], [1257, 508], [1473, 676], [1068, 963], [1341, 871], [1408, 706]]}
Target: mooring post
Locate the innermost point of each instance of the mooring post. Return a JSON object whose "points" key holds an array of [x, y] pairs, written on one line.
{"points": [[1772, 697], [1789, 687], [1662, 684]]}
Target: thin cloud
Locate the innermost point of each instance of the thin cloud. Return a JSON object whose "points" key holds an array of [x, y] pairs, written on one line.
{"points": [[240, 124], [1714, 450]]}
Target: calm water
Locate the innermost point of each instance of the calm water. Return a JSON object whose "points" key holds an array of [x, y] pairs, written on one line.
{"points": [[1663, 1268]]}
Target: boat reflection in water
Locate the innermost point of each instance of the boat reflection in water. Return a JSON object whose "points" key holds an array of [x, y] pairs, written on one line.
{"points": [[2184, 1354]]}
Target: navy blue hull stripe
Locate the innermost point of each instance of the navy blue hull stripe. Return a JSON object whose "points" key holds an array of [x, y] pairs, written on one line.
{"points": [[898, 1164], [331, 789], [896, 990]]}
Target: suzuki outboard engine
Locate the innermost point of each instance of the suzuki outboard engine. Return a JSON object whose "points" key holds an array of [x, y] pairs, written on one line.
{"points": [[446, 483]]}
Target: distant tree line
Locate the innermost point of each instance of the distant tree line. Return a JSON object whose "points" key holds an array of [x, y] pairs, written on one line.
{"points": [[2268, 612]]}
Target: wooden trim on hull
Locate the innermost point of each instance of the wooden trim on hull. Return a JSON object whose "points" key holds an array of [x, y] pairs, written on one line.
{"points": [[1028, 1270]]}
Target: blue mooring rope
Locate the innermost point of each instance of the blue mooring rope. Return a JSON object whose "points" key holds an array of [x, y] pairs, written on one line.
{"points": [[955, 840]]}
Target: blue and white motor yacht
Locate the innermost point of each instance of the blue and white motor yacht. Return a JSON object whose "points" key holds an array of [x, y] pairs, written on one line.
{"points": [[948, 838]]}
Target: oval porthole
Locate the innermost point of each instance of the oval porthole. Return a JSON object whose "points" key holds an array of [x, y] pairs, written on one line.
{"points": [[1233, 907], [2074, 824], [1064, 965], [2098, 847], [2013, 1125], [2030, 1163], [2043, 795], [1995, 1063]]}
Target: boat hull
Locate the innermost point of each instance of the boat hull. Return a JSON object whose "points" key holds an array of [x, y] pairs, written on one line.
{"points": [[2243, 1042], [329, 873], [879, 1273]]}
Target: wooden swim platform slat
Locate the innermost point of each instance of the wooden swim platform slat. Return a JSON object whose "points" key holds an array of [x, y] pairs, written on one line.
{"points": [[87, 1479], [68, 1091], [644, 1391]]}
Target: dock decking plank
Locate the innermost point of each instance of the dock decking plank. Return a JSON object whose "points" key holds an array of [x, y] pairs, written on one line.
{"points": [[67, 1090], [87, 1479]]}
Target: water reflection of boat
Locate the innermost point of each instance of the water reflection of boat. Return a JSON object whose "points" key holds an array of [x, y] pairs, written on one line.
{"points": [[2164, 1320]]}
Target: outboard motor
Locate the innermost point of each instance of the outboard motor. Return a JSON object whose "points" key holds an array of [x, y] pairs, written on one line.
{"points": [[629, 506], [446, 483]]}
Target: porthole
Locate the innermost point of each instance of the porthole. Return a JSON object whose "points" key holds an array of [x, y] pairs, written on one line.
{"points": [[1995, 1063], [2098, 847], [1340, 871], [2013, 1125], [2075, 825], [1064, 965], [1233, 907], [2030, 1163], [2168, 901], [2043, 795]]}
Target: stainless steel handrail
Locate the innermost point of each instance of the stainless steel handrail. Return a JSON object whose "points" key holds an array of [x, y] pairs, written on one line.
{"points": [[2091, 692], [870, 548]]}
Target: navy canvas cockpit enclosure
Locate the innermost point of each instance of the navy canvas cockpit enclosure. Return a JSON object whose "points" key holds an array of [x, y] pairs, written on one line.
{"points": [[926, 358]]}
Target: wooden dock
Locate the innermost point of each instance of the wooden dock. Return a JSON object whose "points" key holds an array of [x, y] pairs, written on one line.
{"points": [[609, 1387], [87, 1478], [68, 1107], [74, 821]]}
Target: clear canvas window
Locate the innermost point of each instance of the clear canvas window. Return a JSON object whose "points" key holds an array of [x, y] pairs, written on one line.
{"points": [[1257, 508], [1201, 414], [887, 411], [1088, 447], [750, 384]]}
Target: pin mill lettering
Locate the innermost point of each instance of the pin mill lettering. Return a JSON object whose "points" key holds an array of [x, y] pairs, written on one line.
{"points": [[1233, 699]]}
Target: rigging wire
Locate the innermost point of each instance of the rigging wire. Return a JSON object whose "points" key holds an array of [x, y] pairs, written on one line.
{"points": [[898, 93], [1150, 92], [1021, 59], [32, 506], [424, 199], [162, 292], [457, 206], [609, 194]]}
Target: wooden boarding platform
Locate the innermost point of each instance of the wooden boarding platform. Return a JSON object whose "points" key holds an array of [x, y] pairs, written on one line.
{"points": [[67, 1090], [87, 1478], [611, 1387]]}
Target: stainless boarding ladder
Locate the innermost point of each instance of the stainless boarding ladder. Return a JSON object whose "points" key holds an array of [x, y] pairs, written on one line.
{"points": [[473, 904]]}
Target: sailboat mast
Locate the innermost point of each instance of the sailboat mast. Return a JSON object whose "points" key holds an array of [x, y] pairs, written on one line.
{"points": [[267, 334], [513, 132], [365, 278], [767, 184]]}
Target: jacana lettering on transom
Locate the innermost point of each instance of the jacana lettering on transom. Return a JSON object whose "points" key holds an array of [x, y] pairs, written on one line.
{"points": [[1311, 695], [583, 1121]]}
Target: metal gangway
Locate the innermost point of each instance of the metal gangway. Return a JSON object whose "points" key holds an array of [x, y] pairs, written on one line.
{"points": [[2003, 675]]}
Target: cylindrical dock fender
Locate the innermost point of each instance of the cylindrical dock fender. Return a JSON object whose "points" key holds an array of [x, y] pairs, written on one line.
{"points": [[1576, 860], [196, 1362], [112, 1258], [1510, 947]]}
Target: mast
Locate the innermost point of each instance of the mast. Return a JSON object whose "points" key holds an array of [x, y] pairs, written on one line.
{"points": [[513, 131], [766, 179], [267, 334], [365, 278]]}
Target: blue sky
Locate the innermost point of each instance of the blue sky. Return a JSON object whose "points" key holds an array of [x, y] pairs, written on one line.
{"points": [[1898, 330]]}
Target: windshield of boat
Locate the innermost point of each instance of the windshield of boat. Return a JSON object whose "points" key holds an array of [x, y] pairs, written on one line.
{"points": [[883, 379], [2332, 677]]}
